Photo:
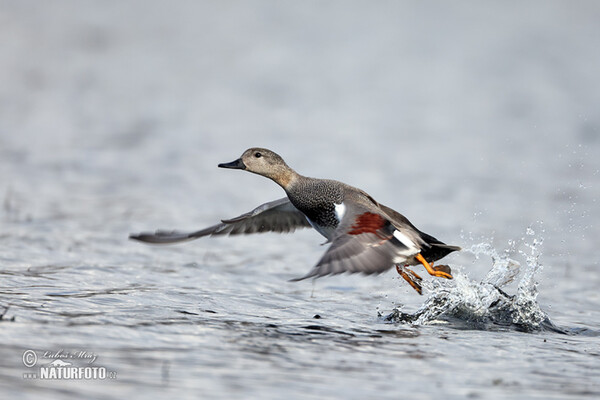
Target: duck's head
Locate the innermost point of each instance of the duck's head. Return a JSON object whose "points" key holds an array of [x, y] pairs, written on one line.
{"points": [[263, 162]]}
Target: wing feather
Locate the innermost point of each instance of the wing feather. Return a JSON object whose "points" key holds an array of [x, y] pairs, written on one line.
{"points": [[276, 216], [365, 243]]}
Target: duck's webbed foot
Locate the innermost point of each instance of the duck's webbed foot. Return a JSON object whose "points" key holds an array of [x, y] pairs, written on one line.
{"points": [[411, 277], [442, 271]]}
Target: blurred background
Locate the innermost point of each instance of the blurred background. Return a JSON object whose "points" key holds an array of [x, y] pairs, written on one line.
{"points": [[476, 120], [465, 116]]}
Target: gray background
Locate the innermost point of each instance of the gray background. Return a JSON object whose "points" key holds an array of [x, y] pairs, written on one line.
{"points": [[477, 120]]}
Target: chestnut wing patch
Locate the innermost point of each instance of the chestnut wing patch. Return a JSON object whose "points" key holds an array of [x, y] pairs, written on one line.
{"points": [[367, 223], [372, 223], [367, 246]]}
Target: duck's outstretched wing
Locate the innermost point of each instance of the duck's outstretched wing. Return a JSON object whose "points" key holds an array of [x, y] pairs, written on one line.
{"points": [[366, 243], [276, 216]]}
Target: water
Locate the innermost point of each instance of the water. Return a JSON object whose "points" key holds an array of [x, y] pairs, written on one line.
{"points": [[485, 305], [479, 122]]}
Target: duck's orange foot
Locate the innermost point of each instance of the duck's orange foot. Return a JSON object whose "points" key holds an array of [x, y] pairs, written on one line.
{"points": [[442, 271], [443, 268], [411, 277]]}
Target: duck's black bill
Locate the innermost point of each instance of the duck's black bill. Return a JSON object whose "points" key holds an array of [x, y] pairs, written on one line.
{"points": [[237, 164]]}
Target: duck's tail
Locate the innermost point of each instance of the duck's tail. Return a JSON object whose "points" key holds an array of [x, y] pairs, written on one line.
{"points": [[437, 249]]}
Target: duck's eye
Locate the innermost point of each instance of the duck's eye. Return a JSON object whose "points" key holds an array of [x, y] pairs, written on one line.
{"points": [[257, 155]]}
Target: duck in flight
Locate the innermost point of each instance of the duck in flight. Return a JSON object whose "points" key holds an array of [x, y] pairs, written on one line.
{"points": [[365, 236]]}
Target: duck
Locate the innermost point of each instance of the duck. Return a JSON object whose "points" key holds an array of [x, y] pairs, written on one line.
{"points": [[364, 236]]}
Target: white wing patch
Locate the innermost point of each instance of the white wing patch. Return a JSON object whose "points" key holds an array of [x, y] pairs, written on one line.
{"points": [[405, 240], [340, 210], [404, 255]]}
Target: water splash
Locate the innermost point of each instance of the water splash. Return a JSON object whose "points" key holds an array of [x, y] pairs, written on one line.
{"points": [[485, 305]]}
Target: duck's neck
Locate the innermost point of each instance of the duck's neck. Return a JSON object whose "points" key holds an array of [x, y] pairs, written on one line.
{"points": [[286, 178]]}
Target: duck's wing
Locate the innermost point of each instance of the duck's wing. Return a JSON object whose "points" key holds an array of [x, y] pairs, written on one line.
{"points": [[366, 242], [276, 216], [432, 249]]}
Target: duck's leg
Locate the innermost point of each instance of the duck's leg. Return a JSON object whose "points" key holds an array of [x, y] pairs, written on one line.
{"points": [[443, 271], [411, 277]]}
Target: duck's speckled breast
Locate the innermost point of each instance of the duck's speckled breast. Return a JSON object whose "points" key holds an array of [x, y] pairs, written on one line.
{"points": [[317, 199]]}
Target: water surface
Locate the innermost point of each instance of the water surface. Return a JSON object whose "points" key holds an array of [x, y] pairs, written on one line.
{"points": [[479, 122]]}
